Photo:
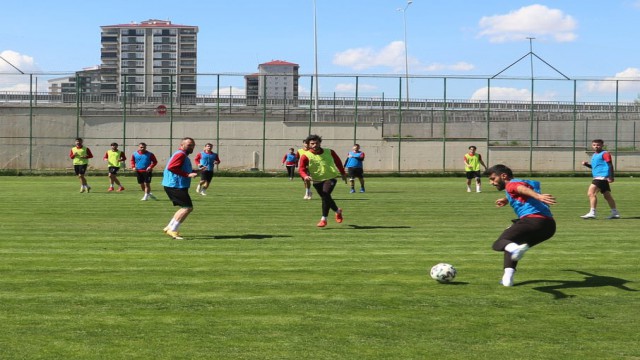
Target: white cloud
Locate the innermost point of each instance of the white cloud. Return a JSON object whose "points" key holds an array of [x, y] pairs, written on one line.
{"points": [[459, 66], [391, 56], [629, 81], [351, 88], [10, 77], [530, 21], [504, 94]]}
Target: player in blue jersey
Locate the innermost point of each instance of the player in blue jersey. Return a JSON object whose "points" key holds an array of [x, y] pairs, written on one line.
{"points": [[535, 222], [290, 161], [143, 162], [206, 161], [354, 168], [602, 170], [176, 180]]}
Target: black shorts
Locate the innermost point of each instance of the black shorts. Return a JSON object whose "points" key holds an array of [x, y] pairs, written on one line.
{"points": [[144, 177], [530, 230], [113, 170], [206, 175], [80, 169], [355, 172], [603, 185], [179, 196], [473, 174]]}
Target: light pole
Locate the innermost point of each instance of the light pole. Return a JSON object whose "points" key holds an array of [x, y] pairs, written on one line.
{"points": [[315, 55], [406, 51]]}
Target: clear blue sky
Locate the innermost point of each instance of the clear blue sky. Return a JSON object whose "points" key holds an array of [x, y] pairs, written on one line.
{"points": [[582, 39]]}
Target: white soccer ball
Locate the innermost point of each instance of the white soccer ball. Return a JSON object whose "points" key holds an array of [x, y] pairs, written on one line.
{"points": [[443, 272]]}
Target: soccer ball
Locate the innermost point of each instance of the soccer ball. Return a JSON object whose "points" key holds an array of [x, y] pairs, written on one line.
{"points": [[443, 272]]}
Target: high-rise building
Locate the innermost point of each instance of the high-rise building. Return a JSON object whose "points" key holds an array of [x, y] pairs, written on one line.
{"points": [[279, 77], [150, 58]]}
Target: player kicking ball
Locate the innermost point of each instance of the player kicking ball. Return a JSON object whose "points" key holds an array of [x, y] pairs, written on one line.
{"points": [[535, 222]]}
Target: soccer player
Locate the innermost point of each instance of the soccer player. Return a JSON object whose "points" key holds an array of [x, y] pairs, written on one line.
{"points": [[535, 222], [472, 162], [602, 170], [354, 168], [114, 158], [307, 184], [143, 162], [206, 161], [322, 167], [176, 181], [81, 155], [289, 160]]}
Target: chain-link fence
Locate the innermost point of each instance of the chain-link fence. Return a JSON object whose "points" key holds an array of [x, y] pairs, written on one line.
{"points": [[549, 129]]}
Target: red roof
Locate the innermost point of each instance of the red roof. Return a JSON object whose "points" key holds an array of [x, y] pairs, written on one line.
{"points": [[279, 62], [151, 23]]}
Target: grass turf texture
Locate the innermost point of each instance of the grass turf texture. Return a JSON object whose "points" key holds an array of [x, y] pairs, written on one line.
{"points": [[92, 276]]}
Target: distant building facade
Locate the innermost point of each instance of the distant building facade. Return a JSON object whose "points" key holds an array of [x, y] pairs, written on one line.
{"points": [[86, 81], [276, 79], [150, 58]]}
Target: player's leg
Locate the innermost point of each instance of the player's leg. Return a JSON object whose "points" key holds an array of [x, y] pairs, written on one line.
{"points": [[592, 194], [612, 204]]}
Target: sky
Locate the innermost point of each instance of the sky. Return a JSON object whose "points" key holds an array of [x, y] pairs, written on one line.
{"points": [[359, 43]]}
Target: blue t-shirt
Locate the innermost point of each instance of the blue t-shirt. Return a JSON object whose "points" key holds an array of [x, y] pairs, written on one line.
{"points": [[599, 166], [170, 179], [356, 159], [208, 160], [525, 206]]}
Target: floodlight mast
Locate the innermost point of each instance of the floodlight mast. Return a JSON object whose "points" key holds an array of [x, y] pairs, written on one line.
{"points": [[406, 49]]}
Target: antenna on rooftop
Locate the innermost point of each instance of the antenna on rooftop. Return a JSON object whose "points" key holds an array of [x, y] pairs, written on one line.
{"points": [[13, 66], [531, 54]]}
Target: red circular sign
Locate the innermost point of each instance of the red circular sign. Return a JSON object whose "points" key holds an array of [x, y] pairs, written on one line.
{"points": [[161, 109]]}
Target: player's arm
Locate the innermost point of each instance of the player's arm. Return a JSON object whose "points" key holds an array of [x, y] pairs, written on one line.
{"points": [[154, 162], [303, 167], [72, 154], [481, 162], [338, 162], [529, 192], [132, 162], [607, 158], [123, 157], [217, 160], [584, 163], [175, 165], [89, 154], [106, 156]]}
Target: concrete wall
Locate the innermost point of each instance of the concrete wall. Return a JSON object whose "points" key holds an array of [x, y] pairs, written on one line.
{"points": [[42, 139]]}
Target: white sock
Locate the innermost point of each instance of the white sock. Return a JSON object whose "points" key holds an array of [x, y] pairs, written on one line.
{"points": [[174, 225], [507, 278], [511, 247], [614, 211], [323, 218]]}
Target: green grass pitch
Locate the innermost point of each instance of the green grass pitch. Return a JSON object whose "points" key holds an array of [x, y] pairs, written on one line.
{"points": [[92, 276]]}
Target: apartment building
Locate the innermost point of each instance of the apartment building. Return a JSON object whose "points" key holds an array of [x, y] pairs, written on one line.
{"points": [[150, 58], [276, 79]]}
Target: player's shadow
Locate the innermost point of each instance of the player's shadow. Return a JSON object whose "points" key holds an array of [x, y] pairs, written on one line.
{"points": [[590, 281], [239, 237], [372, 227]]}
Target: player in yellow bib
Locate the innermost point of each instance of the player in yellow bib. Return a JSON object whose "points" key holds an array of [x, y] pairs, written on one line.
{"points": [[307, 184], [80, 155], [114, 159], [321, 167], [472, 162]]}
